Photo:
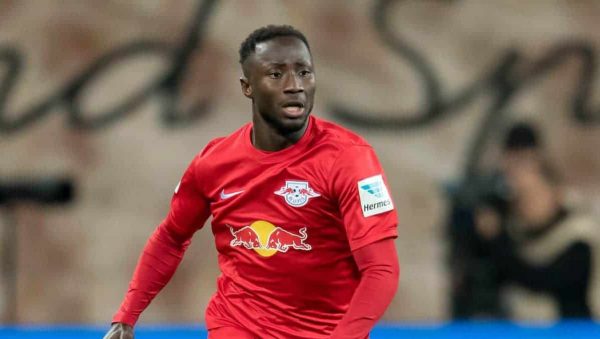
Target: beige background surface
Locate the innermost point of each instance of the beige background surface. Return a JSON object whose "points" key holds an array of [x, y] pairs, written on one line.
{"points": [[75, 261]]}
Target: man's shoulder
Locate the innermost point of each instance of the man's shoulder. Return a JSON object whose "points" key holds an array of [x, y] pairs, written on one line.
{"points": [[212, 146], [342, 137], [222, 146]]}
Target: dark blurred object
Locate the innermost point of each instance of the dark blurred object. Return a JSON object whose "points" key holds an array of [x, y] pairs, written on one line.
{"points": [[490, 189], [475, 281], [511, 227], [44, 191], [49, 191]]}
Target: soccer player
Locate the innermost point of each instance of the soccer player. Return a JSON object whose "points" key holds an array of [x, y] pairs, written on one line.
{"points": [[303, 220]]}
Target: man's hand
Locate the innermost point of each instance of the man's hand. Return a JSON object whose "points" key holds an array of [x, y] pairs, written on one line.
{"points": [[119, 331]]}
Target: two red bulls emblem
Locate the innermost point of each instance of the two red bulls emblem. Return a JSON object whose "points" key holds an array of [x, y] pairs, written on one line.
{"points": [[267, 239]]}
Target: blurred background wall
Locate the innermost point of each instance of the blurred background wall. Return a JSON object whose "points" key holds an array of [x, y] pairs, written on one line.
{"points": [[120, 95]]}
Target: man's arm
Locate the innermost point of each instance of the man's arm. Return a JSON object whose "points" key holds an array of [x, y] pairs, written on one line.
{"points": [[159, 260], [370, 220], [157, 264], [570, 270], [163, 251], [379, 268]]}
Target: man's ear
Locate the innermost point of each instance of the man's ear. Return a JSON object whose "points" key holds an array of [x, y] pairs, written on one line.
{"points": [[246, 88]]}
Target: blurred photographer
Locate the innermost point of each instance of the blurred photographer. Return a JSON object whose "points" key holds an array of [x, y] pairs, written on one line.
{"points": [[544, 251]]}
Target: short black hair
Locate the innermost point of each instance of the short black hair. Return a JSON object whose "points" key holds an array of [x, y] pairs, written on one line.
{"points": [[521, 136], [267, 33]]}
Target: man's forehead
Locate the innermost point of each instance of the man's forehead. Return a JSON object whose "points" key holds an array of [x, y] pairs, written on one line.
{"points": [[280, 50]]}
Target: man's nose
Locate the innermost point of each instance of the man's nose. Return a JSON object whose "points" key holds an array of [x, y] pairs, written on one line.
{"points": [[293, 84]]}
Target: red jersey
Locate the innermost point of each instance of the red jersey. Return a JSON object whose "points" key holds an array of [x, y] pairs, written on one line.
{"points": [[285, 225]]}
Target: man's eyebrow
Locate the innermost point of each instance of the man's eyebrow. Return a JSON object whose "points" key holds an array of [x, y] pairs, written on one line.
{"points": [[302, 63], [276, 64], [283, 64]]}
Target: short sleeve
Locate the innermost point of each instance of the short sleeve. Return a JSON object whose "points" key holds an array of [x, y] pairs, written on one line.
{"points": [[189, 207], [364, 201]]}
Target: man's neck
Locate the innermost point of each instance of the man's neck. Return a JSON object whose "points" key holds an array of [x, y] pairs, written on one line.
{"points": [[267, 138]]}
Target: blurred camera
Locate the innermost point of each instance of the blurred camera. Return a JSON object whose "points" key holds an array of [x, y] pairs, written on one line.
{"points": [[485, 190]]}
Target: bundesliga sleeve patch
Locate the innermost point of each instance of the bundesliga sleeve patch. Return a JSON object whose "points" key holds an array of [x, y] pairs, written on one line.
{"points": [[374, 196]]}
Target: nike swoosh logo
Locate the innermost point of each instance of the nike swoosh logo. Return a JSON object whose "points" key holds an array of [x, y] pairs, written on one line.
{"points": [[229, 195]]}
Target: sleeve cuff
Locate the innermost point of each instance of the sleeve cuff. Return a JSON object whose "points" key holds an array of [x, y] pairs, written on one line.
{"points": [[390, 233], [122, 317]]}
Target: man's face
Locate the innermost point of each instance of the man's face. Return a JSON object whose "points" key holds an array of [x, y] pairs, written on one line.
{"points": [[516, 161], [535, 199], [280, 80]]}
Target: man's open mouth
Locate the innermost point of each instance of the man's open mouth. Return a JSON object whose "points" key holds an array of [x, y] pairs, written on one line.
{"points": [[293, 109]]}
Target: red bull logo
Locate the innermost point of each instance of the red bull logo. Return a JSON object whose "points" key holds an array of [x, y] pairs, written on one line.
{"points": [[297, 193], [267, 239]]}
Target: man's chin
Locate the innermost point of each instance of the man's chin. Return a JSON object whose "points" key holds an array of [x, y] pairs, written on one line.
{"points": [[288, 126]]}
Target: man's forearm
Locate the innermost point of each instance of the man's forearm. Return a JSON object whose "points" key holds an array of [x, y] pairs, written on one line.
{"points": [[378, 264], [157, 264]]}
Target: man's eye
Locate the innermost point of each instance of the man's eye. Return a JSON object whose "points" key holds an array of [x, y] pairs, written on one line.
{"points": [[305, 73], [275, 75]]}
